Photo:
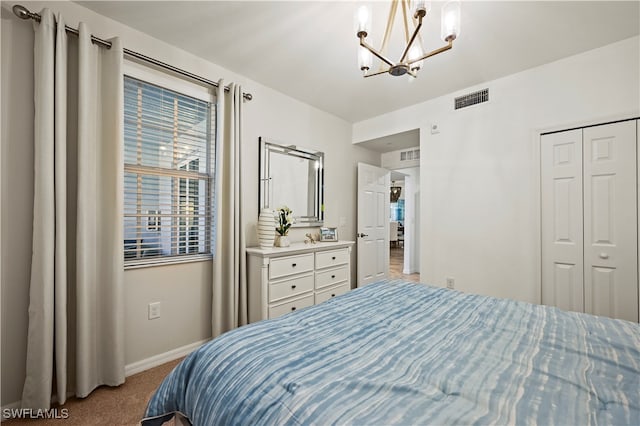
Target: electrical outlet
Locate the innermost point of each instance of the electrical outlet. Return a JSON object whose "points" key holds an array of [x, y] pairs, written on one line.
{"points": [[451, 283], [154, 310]]}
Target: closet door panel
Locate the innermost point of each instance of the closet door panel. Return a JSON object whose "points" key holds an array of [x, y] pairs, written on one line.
{"points": [[603, 291], [611, 220], [562, 242]]}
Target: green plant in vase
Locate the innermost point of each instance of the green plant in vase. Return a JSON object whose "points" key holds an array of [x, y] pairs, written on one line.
{"points": [[284, 220]]}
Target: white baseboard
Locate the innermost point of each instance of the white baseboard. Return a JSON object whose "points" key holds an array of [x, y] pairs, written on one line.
{"points": [[160, 359], [131, 369]]}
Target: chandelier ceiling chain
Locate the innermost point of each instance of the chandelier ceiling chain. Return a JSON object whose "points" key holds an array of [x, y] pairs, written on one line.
{"points": [[413, 55]]}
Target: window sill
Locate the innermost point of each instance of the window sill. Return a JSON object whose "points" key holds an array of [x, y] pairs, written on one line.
{"points": [[165, 261]]}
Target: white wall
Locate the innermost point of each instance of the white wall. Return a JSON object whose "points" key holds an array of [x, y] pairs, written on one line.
{"points": [[479, 175], [184, 290]]}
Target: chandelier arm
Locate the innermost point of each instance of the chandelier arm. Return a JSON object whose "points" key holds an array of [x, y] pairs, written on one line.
{"points": [[432, 53], [375, 52], [389, 28], [413, 38], [377, 73], [415, 23], [405, 21]]}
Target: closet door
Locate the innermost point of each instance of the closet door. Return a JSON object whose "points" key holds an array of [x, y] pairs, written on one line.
{"points": [[610, 221], [562, 243]]}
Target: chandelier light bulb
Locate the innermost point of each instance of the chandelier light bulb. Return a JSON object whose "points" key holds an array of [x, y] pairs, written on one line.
{"points": [[421, 6], [364, 58], [414, 53], [450, 21], [363, 19]]}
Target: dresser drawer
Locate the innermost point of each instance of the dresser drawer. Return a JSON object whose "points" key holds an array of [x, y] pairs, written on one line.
{"points": [[325, 259], [283, 266], [285, 308], [332, 276], [283, 289], [327, 294]]}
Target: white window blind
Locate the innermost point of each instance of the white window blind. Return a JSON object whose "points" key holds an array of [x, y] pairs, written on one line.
{"points": [[168, 174]]}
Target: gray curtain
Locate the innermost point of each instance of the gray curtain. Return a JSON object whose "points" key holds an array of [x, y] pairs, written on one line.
{"points": [[230, 303], [76, 307]]}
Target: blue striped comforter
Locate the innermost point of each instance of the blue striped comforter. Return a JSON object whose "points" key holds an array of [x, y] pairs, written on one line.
{"points": [[402, 353]]}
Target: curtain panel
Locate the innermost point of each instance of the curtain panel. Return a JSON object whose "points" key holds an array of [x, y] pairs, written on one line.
{"points": [[230, 300], [76, 310]]}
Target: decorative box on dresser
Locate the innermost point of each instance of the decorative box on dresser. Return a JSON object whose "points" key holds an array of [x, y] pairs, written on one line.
{"points": [[283, 279]]}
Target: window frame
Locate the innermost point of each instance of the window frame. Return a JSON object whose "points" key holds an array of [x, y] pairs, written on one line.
{"points": [[200, 92]]}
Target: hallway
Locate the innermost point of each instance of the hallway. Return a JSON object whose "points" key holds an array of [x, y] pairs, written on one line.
{"points": [[396, 265]]}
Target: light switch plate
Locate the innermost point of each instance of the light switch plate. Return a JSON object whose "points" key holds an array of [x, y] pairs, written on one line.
{"points": [[154, 310]]}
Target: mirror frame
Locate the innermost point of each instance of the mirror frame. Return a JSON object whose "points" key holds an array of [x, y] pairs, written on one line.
{"points": [[269, 146]]}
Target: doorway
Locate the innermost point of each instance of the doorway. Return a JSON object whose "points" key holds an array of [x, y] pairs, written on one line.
{"points": [[403, 224], [400, 155]]}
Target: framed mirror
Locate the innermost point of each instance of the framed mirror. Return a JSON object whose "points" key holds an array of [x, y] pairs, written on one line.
{"points": [[292, 176]]}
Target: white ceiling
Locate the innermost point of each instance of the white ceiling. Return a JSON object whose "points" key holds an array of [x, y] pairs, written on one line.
{"points": [[307, 49]]}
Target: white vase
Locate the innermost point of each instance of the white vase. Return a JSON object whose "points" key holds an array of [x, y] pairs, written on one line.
{"points": [[282, 241], [266, 228]]}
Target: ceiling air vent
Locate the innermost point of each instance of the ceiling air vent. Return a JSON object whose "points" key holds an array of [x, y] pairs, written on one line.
{"points": [[472, 99], [411, 155]]}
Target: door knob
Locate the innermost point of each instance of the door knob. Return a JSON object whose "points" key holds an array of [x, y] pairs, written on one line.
{"points": [[361, 235], [604, 255]]}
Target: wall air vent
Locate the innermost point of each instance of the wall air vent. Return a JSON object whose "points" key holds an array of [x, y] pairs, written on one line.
{"points": [[411, 155], [472, 99]]}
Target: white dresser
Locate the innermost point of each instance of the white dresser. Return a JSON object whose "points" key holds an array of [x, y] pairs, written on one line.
{"points": [[283, 279]]}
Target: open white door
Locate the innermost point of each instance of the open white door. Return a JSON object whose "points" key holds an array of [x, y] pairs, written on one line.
{"points": [[373, 223]]}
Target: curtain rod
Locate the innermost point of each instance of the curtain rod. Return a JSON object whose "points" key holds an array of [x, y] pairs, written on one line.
{"points": [[24, 13]]}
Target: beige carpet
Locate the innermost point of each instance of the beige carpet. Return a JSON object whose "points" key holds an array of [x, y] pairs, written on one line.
{"points": [[123, 405]]}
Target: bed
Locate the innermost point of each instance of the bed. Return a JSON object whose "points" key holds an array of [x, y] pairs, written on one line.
{"points": [[403, 353]]}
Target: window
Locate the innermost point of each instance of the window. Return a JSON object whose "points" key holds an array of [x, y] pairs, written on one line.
{"points": [[169, 146]]}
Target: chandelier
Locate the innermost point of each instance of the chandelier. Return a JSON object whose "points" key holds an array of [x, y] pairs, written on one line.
{"points": [[413, 55], [395, 193]]}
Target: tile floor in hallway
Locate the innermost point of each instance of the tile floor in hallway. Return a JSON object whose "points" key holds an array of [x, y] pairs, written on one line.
{"points": [[396, 259]]}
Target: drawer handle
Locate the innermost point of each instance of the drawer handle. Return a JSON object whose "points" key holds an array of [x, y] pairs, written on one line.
{"points": [[333, 276], [293, 308], [293, 265], [293, 286], [333, 258]]}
